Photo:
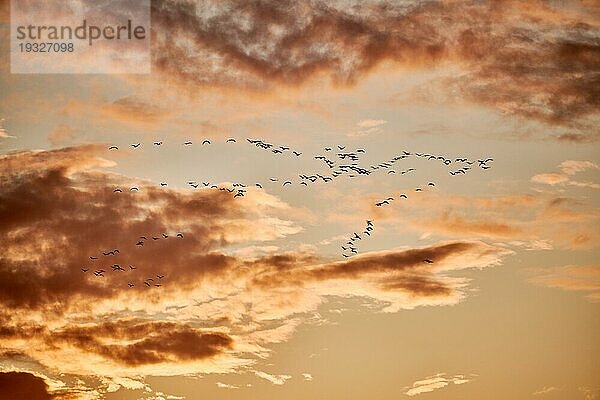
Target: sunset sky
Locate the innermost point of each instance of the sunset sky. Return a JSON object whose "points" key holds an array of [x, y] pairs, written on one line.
{"points": [[471, 283]]}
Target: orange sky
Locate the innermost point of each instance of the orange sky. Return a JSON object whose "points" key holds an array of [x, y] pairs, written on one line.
{"points": [[414, 215]]}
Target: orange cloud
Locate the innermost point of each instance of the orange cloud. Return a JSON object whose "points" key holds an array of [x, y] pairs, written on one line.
{"points": [[543, 72], [575, 278], [214, 310]]}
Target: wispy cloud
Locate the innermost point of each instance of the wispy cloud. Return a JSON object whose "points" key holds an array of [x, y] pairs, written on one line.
{"points": [[274, 379], [568, 169], [545, 390], [435, 382], [573, 278]]}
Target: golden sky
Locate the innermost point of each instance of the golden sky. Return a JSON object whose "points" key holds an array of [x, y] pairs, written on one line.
{"points": [[325, 199]]}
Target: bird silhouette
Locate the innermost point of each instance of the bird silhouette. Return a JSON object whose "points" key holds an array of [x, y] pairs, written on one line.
{"points": [[158, 143], [135, 145], [206, 142], [113, 148]]}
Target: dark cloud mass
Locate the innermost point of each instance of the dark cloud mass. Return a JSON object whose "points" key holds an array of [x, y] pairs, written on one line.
{"points": [[153, 342], [523, 58], [22, 386]]}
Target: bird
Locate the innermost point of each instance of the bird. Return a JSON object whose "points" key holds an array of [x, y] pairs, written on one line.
{"points": [[180, 235], [187, 143], [132, 267], [113, 148], [428, 261], [297, 153], [206, 142], [158, 143], [134, 189], [404, 196], [143, 237], [163, 184], [84, 270], [130, 285], [165, 235], [117, 190], [160, 276], [135, 145], [287, 183], [231, 140], [431, 184], [259, 185], [93, 258]]}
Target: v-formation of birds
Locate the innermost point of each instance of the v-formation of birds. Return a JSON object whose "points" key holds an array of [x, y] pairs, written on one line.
{"points": [[338, 162]]}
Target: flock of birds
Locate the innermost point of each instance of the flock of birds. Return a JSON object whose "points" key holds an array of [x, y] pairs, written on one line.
{"points": [[152, 281], [338, 162]]}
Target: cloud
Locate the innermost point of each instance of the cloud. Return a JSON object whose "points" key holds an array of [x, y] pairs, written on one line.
{"points": [[23, 385], [134, 110], [226, 386], [539, 65], [435, 382], [274, 379], [3, 132], [550, 179], [568, 168], [369, 126], [544, 390], [217, 309], [571, 167], [144, 342], [61, 134], [532, 221], [589, 393], [573, 278]]}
